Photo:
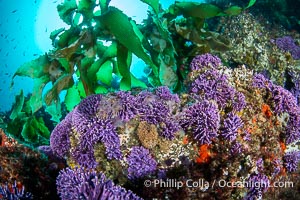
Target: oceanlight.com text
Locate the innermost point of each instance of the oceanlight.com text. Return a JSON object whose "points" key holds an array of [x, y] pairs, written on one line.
{"points": [[204, 185]]}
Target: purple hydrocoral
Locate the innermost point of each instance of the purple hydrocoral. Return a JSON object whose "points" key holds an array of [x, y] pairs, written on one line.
{"points": [[287, 44], [203, 120], [128, 105], [277, 163], [205, 60], [59, 139], [260, 164], [164, 93], [213, 86], [84, 157], [295, 76], [284, 100], [98, 130], [168, 128], [14, 193], [236, 149], [102, 130], [156, 109], [88, 107], [291, 160], [293, 127], [154, 112], [93, 128], [231, 125], [140, 163], [261, 82], [239, 102], [257, 184], [76, 184]]}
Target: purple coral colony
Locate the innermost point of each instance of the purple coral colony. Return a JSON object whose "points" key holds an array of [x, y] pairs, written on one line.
{"points": [[228, 130]]}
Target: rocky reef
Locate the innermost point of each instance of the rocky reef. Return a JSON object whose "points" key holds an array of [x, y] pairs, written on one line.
{"points": [[231, 125]]}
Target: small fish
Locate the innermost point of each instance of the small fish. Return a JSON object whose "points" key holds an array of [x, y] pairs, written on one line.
{"points": [[6, 74], [15, 47], [46, 30], [12, 40], [24, 53], [7, 54], [1, 35], [14, 11], [18, 20], [54, 1], [6, 36], [35, 54]]}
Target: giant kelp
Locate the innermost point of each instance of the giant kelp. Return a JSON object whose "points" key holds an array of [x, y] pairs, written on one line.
{"points": [[82, 49]]}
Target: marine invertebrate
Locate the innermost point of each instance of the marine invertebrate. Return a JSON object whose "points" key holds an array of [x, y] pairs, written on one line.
{"points": [[287, 44], [283, 99], [293, 127], [260, 81], [59, 140], [205, 60], [257, 185], [239, 102], [231, 125], [291, 160], [157, 109], [202, 120], [80, 184], [164, 93], [14, 191], [295, 90], [128, 105], [236, 148], [140, 163], [147, 134], [211, 85]]}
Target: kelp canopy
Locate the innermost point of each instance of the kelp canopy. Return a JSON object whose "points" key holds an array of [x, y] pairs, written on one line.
{"points": [[94, 54]]}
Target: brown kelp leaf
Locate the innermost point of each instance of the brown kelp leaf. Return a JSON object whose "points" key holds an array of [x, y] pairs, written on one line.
{"points": [[251, 3], [64, 82], [233, 10], [154, 4], [54, 110], [72, 98], [36, 96], [18, 105], [104, 5], [86, 8], [66, 37], [202, 10], [105, 73], [104, 53], [210, 39], [124, 62], [167, 75], [67, 52], [119, 25], [66, 10], [35, 68], [55, 33]]}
